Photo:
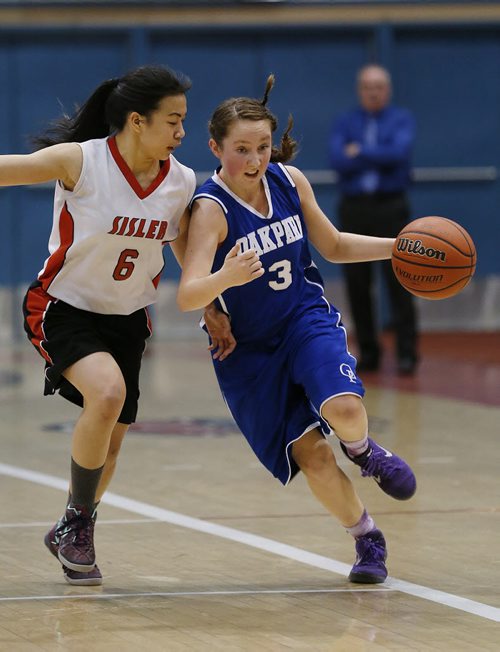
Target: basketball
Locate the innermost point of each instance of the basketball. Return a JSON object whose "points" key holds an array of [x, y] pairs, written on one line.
{"points": [[433, 257]]}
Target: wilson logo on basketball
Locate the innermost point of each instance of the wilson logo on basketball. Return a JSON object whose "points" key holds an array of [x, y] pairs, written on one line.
{"points": [[416, 247]]}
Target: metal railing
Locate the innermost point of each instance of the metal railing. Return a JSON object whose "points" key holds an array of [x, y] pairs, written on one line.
{"points": [[419, 175]]}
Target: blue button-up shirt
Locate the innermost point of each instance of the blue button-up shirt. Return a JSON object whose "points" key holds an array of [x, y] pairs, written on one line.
{"points": [[389, 156]]}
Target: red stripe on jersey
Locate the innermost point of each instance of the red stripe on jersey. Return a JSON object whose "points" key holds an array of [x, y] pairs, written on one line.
{"points": [[149, 323], [157, 278], [130, 176], [37, 301], [56, 260]]}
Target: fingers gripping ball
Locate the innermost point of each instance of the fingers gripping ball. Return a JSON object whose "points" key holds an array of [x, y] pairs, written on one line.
{"points": [[433, 257]]}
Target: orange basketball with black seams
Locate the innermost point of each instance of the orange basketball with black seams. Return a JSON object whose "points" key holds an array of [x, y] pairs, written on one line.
{"points": [[434, 257]]}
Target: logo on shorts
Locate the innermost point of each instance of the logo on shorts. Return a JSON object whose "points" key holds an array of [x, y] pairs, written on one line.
{"points": [[346, 370]]}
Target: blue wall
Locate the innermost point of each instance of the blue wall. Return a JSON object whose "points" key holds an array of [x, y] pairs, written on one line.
{"points": [[449, 76]]}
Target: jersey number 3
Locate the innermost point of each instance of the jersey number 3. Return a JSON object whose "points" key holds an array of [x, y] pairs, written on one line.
{"points": [[125, 266], [283, 269]]}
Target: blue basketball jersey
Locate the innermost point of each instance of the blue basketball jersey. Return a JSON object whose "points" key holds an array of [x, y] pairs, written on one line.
{"points": [[291, 354], [291, 283]]}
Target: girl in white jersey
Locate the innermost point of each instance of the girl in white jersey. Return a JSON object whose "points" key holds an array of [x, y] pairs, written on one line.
{"points": [[291, 378], [120, 196]]}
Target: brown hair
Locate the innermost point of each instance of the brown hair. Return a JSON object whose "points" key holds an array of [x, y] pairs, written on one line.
{"points": [[247, 108]]}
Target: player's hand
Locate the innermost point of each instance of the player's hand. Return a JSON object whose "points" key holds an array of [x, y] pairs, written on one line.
{"points": [[219, 329], [242, 267]]}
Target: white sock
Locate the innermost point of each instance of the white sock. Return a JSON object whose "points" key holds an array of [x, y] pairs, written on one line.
{"points": [[355, 448], [363, 526]]}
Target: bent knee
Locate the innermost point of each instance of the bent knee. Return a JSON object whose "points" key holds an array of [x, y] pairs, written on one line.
{"points": [[108, 400], [343, 410]]}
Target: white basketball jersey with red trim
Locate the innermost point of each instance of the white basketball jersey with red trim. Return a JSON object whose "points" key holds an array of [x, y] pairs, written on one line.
{"points": [[108, 233]]}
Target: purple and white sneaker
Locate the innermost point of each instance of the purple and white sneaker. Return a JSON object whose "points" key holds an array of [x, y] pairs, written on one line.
{"points": [[392, 474]]}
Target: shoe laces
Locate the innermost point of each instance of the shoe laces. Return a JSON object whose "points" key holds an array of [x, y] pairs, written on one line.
{"points": [[367, 548], [375, 466], [82, 528]]}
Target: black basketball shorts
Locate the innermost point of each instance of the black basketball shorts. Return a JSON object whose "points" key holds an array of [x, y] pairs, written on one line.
{"points": [[63, 334]]}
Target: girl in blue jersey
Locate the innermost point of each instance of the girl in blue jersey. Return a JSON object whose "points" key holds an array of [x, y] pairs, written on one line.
{"points": [[291, 379]]}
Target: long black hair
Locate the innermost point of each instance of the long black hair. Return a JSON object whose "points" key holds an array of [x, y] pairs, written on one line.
{"points": [[106, 110]]}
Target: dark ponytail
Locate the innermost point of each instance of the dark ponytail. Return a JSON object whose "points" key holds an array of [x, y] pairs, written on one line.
{"points": [[106, 110], [88, 122]]}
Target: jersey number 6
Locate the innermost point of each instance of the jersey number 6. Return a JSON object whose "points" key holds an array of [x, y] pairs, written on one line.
{"points": [[125, 266]]}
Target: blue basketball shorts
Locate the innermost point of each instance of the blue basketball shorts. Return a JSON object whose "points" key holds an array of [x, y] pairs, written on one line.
{"points": [[275, 389]]}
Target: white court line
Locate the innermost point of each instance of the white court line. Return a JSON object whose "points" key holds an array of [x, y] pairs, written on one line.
{"points": [[182, 594], [261, 543]]}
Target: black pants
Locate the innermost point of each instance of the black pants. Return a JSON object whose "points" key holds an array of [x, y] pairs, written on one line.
{"points": [[382, 215]]}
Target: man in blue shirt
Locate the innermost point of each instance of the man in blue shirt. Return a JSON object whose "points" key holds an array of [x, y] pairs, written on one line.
{"points": [[370, 149]]}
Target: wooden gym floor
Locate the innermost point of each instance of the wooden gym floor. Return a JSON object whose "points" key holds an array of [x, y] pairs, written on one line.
{"points": [[202, 550]]}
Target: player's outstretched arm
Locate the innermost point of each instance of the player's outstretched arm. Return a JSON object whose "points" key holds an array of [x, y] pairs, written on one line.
{"points": [[63, 162], [334, 245]]}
